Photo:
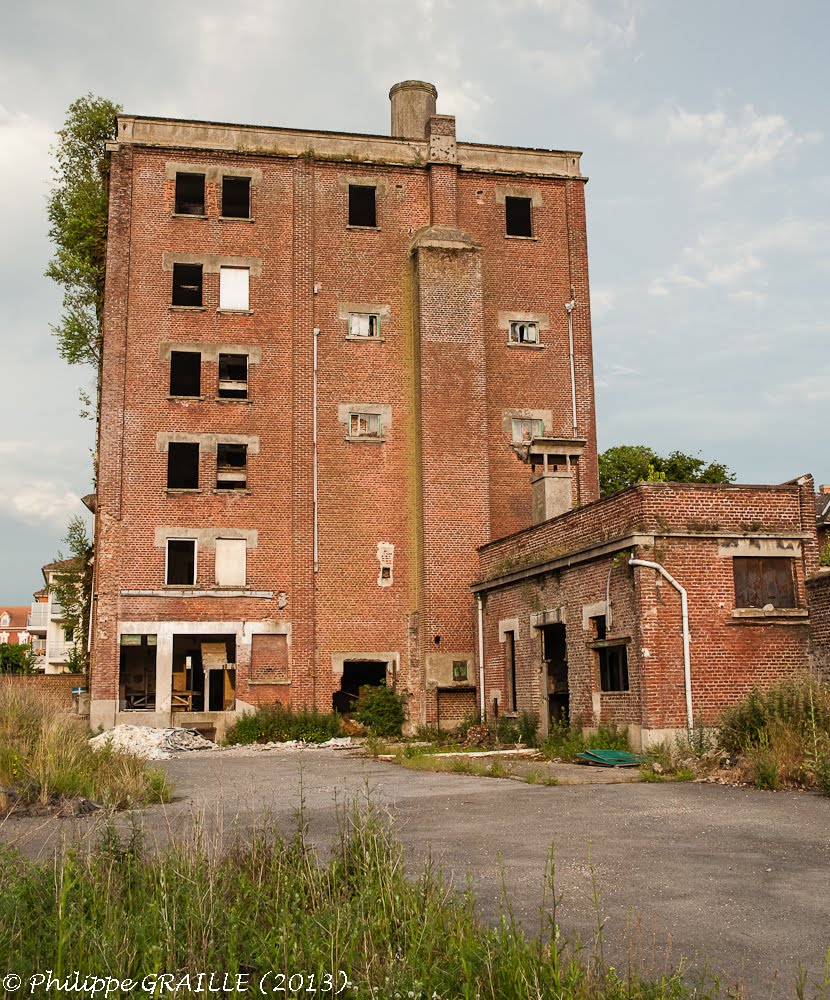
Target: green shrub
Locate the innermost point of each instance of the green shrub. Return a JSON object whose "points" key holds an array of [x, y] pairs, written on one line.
{"points": [[802, 703], [381, 709], [528, 728], [506, 730], [568, 741], [764, 765], [277, 724]]}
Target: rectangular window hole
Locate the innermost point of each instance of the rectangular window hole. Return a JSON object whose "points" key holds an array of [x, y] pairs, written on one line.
{"points": [[362, 207], [185, 373], [459, 670], [233, 376], [365, 325], [231, 466], [524, 332], [365, 425], [190, 194], [236, 197], [183, 465], [613, 668], [525, 429], [764, 581], [187, 284], [181, 561], [517, 216]]}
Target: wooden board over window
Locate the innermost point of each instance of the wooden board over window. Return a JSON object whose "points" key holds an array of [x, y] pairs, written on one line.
{"points": [[764, 580], [214, 655], [269, 659]]}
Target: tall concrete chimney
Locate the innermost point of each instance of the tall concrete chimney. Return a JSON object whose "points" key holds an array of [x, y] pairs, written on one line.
{"points": [[413, 104]]}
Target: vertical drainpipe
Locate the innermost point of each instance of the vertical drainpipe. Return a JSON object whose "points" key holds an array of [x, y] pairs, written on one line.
{"points": [[314, 452], [684, 608], [569, 309], [481, 699]]}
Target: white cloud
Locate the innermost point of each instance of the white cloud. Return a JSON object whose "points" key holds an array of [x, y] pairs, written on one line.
{"points": [[810, 389], [729, 147], [41, 500]]}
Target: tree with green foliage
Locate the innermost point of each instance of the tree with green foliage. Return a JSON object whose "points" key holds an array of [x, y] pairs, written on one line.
{"points": [[78, 210], [16, 658], [627, 464], [72, 587]]}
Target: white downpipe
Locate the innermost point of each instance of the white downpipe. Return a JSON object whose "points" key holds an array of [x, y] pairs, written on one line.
{"points": [[314, 453], [481, 656], [684, 607], [569, 309]]}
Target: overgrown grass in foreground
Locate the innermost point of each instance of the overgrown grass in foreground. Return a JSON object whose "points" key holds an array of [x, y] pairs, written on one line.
{"points": [[45, 755], [277, 724], [269, 904]]}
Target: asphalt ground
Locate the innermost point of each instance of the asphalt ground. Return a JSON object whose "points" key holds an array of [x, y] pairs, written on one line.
{"points": [[729, 883]]}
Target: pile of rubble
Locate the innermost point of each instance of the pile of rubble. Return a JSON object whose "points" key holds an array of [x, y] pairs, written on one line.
{"points": [[152, 744]]}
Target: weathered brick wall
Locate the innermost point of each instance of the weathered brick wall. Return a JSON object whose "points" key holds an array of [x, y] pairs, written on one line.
{"points": [[53, 686], [818, 594]]}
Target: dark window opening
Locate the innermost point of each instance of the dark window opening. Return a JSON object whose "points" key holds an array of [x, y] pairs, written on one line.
{"points": [[183, 465], [517, 217], [231, 466], [760, 581], [613, 668], [185, 373], [233, 376], [555, 655], [236, 197], [187, 284], [386, 572], [357, 674], [181, 561], [137, 673], [597, 628], [362, 209], [510, 665], [190, 194]]}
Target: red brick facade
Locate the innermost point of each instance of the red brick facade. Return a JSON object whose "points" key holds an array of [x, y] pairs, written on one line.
{"points": [[564, 573], [398, 517]]}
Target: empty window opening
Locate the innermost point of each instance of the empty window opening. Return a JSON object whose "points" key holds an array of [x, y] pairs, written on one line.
{"points": [[365, 425], [598, 628], [613, 668], [762, 581], [357, 674], [366, 325], [510, 670], [386, 572], [517, 217], [233, 376], [362, 207], [231, 562], [190, 194], [236, 197], [181, 562], [523, 332], [204, 673], [137, 673], [525, 429], [233, 288], [555, 656], [187, 284], [185, 373], [183, 465], [231, 466]]}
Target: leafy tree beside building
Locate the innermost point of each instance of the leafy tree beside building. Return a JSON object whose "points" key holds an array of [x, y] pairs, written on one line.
{"points": [[627, 464]]}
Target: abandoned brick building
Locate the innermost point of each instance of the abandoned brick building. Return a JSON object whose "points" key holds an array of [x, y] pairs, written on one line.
{"points": [[347, 435], [321, 352]]}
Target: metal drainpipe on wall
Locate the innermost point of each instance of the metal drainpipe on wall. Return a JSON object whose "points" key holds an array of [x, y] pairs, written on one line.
{"points": [[569, 309], [684, 607], [314, 452], [481, 698]]}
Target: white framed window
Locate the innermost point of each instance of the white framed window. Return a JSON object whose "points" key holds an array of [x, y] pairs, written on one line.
{"points": [[180, 562], [364, 325], [525, 429], [233, 288], [4, 638], [523, 332], [365, 425], [5, 620], [231, 568]]}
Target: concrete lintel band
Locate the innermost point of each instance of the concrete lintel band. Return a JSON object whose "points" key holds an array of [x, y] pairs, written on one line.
{"points": [[206, 537], [206, 442], [508, 625], [345, 181], [213, 175], [384, 409], [210, 352], [242, 629], [392, 661], [781, 547], [345, 309], [503, 191], [211, 262], [554, 616]]}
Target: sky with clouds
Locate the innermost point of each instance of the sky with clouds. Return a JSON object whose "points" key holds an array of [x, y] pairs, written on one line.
{"points": [[705, 136]]}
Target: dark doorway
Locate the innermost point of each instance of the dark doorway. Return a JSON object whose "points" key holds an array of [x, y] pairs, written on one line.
{"points": [[194, 688], [357, 674], [137, 673], [555, 655]]}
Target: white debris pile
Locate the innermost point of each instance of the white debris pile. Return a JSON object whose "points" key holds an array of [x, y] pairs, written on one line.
{"points": [[247, 749], [152, 744]]}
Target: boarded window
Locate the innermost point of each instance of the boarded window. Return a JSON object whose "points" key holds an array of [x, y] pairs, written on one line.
{"points": [[231, 562], [233, 376], [231, 466], [760, 581], [269, 658], [236, 197], [185, 373], [183, 465], [233, 288], [365, 425], [524, 332], [517, 217], [181, 561], [525, 429], [190, 194], [187, 284], [366, 325], [613, 668], [362, 209]]}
